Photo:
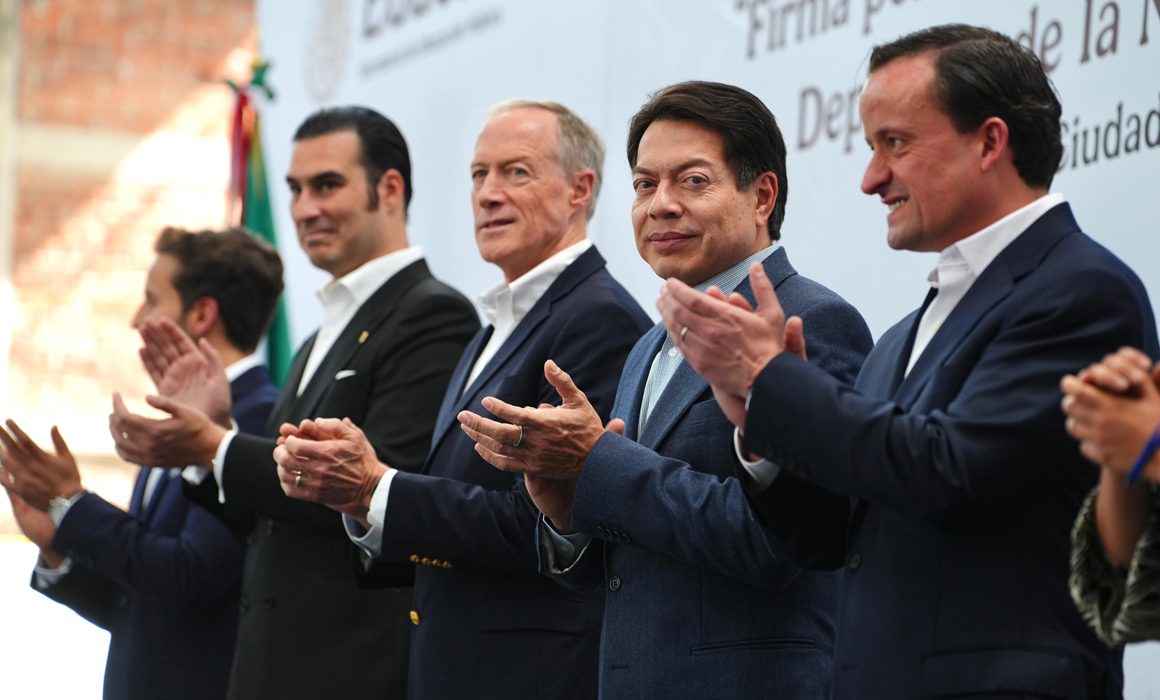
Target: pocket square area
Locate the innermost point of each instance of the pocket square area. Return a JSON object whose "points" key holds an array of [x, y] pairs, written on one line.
{"points": [[343, 374]]}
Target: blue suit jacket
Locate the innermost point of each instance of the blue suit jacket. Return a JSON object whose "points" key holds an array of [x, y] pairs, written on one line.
{"points": [[162, 579], [487, 624], [702, 600], [967, 483]]}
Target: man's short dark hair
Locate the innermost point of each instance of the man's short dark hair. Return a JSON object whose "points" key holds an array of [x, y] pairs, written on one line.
{"points": [[980, 73], [382, 146], [753, 142], [236, 268]]}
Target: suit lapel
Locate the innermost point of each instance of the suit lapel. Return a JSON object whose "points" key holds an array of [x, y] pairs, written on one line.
{"points": [[633, 380], [138, 491], [683, 389], [583, 267], [283, 407], [686, 386], [453, 401], [995, 284], [366, 321]]}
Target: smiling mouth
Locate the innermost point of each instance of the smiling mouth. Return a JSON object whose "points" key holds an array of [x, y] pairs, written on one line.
{"points": [[316, 235], [893, 206], [668, 239], [494, 224]]}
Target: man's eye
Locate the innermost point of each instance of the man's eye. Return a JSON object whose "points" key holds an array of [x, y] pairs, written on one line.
{"points": [[642, 185]]}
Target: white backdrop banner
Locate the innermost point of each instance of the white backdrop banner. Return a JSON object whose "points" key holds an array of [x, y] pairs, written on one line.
{"points": [[436, 66]]}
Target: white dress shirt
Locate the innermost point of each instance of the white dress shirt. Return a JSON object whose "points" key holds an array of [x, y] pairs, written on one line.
{"points": [[961, 263], [505, 306]]}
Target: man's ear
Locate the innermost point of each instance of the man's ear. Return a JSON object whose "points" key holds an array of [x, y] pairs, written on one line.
{"points": [[993, 143], [583, 188], [202, 316], [765, 189], [392, 191]]}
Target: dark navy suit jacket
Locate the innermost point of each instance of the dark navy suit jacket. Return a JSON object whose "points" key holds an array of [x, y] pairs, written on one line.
{"points": [[487, 625], [162, 579], [702, 600], [966, 481]]}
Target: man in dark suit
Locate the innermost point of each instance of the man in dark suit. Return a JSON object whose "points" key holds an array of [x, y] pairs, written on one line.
{"points": [[386, 349], [950, 439], [702, 601], [486, 624], [163, 578]]}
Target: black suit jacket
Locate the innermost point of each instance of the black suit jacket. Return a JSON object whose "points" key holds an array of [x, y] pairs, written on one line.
{"points": [[967, 483], [487, 624], [163, 578], [307, 629]]}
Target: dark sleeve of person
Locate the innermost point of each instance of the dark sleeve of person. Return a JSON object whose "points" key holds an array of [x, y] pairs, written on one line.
{"points": [[187, 571], [86, 593], [396, 408], [995, 433], [634, 495], [473, 525]]}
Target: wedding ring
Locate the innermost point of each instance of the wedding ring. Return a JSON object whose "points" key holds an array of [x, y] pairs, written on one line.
{"points": [[523, 439], [297, 478], [681, 337]]}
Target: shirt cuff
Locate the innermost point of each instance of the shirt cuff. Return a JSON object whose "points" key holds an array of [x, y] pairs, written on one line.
{"points": [[47, 578], [561, 552], [57, 514], [370, 540], [761, 471], [219, 460]]}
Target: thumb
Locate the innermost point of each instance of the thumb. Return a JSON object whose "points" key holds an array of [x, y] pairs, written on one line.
{"points": [[795, 337], [767, 303], [60, 445], [166, 404], [615, 425], [212, 357], [563, 384]]}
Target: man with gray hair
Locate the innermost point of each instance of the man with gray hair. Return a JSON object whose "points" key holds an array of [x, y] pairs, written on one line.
{"points": [[486, 624]]}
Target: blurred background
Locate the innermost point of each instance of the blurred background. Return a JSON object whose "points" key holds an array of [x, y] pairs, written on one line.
{"points": [[115, 120]]}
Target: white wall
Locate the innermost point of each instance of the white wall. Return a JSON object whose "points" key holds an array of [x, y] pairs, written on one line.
{"points": [[435, 66]]}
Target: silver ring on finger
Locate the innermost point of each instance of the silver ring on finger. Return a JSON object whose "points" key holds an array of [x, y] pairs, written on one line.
{"points": [[297, 478], [684, 332], [523, 438]]}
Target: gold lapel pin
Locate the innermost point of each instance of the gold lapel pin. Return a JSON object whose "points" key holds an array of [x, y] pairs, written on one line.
{"points": [[363, 337]]}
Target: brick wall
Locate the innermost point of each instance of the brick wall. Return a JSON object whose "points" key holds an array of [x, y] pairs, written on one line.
{"points": [[121, 128]]}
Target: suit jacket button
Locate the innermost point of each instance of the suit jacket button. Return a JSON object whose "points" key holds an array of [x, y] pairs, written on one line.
{"points": [[414, 617], [614, 583], [268, 602], [244, 605], [269, 527], [854, 561]]}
